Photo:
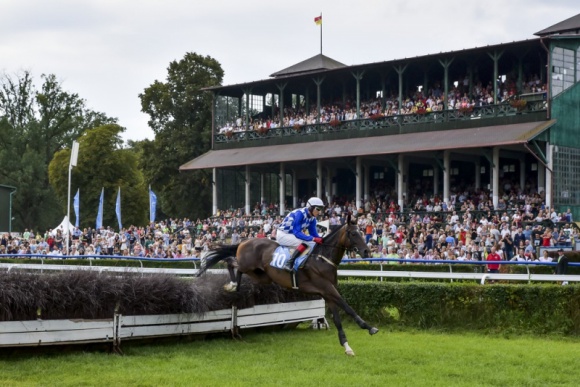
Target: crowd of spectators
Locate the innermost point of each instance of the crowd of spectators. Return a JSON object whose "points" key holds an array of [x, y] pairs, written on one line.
{"points": [[419, 102], [465, 228]]}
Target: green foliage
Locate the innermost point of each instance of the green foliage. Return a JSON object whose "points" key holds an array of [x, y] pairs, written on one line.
{"points": [[102, 163], [34, 125], [180, 116], [538, 309]]}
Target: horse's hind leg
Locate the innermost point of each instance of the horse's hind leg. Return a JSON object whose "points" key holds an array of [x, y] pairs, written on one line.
{"points": [[239, 280], [235, 328], [231, 287]]}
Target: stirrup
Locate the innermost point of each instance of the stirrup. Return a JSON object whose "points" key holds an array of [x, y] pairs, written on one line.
{"points": [[289, 267], [294, 282]]}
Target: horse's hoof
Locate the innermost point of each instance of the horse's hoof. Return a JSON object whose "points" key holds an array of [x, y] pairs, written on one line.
{"points": [[373, 330], [348, 350]]}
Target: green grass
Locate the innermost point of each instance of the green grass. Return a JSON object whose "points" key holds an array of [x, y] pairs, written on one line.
{"points": [[305, 357]]}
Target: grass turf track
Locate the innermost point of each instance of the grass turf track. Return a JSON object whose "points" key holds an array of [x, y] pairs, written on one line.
{"points": [[305, 357]]}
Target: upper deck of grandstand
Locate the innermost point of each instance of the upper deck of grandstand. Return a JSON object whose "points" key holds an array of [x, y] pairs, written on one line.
{"points": [[470, 117], [323, 97]]}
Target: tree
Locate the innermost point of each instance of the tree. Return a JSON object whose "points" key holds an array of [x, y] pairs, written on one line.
{"points": [[180, 116], [103, 163], [35, 125]]}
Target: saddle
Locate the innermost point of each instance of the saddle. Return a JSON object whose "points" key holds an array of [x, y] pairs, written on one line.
{"points": [[282, 254]]}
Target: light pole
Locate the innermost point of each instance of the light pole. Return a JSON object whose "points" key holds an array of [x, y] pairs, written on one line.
{"points": [[74, 155]]}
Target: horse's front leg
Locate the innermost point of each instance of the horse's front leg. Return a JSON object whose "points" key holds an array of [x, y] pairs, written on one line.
{"points": [[338, 323], [334, 297]]}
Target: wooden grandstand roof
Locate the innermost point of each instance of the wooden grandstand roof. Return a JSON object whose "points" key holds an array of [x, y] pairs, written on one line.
{"points": [[489, 136]]}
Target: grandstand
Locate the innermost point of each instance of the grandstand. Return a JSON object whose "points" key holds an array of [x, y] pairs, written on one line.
{"points": [[501, 119]]}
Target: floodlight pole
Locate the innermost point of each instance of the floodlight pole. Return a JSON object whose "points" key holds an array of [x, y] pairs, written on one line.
{"points": [[73, 163]]}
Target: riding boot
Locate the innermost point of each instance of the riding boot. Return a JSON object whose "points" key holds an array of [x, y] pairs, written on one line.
{"points": [[289, 266]]}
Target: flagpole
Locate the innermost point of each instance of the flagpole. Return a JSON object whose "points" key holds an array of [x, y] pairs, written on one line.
{"points": [[149, 203], [321, 34]]}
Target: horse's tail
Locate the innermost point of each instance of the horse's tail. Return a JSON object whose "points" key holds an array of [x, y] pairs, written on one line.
{"points": [[216, 255]]}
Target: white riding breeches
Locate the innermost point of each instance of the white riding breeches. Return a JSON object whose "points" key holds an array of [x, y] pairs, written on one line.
{"points": [[289, 240]]}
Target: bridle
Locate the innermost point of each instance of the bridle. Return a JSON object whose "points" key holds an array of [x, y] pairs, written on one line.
{"points": [[347, 247]]}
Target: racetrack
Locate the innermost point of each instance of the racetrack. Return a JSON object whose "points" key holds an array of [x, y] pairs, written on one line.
{"points": [[310, 358]]}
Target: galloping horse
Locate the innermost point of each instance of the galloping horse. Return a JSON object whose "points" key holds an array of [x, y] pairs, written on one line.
{"points": [[318, 276]]}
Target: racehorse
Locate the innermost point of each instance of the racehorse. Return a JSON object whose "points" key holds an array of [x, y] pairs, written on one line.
{"points": [[318, 275]]}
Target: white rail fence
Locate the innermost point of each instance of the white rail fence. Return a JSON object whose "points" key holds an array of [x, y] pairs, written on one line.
{"points": [[381, 274], [113, 331]]}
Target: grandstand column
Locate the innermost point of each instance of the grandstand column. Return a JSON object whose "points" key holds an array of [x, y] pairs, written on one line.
{"points": [[519, 82], [495, 57], [550, 156], [445, 63], [262, 198], [495, 176], [400, 70], [425, 88], [213, 117], [470, 75], [401, 167], [477, 175], [282, 177], [541, 178], [366, 182], [328, 185], [405, 177], [294, 189], [318, 81], [307, 100], [319, 178], [281, 87], [247, 92], [214, 198], [358, 75], [247, 193], [522, 173], [273, 106], [358, 182], [446, 174], [435, 180]]}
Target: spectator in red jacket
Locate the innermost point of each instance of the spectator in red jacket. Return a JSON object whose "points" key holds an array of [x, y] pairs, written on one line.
{"points": [[493, 256]]}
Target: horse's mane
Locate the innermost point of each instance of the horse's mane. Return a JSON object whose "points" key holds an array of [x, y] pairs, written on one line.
{"points": [[332, 232]]}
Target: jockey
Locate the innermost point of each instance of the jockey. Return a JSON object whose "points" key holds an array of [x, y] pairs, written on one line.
{"points": [[290, 232]]}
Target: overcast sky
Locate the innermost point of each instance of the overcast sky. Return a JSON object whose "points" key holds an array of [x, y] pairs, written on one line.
{"points": [[109, 51]]}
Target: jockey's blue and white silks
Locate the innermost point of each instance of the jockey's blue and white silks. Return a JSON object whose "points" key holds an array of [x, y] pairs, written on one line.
{"points": [[298, 220]]}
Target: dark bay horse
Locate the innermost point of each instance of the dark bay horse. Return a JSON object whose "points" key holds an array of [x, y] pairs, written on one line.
{"points": [[318, 275]]}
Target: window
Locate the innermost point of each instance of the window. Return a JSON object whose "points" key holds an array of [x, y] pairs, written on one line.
{"points": [[562, 69], [566, 176]]}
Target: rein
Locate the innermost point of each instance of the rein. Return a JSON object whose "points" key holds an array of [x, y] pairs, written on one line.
{"points": [[333, 247], [326, 260]]}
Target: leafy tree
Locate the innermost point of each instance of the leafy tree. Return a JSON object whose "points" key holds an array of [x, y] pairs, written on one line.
{"points": [[180, 116], [102, 163], [35, 125]]}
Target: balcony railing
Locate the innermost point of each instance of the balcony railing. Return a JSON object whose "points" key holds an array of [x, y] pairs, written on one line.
{"points": [[384, 122]]}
